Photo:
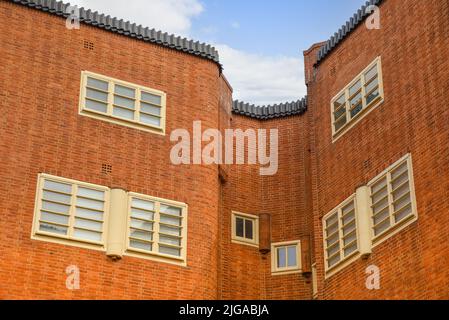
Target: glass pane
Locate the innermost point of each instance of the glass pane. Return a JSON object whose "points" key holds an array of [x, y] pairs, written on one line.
{"points": [[340, 123], [340, 102], [96, 106], [399, 171], [90, 225], [52, 228], [52, 196], [239, 227], [291, 254], [404, 213], [151, 120], [169, 240], [402, 202], [333, 250], [54, 207], [371, 73], [89, 214], [139, 224], [332, 240], [382, 227], [141, 235], [97, 95], [90, 204], [142, 204], [399, 181], [170, 251], [140, 245], [350, 249], [379, 185], [380, 195], [98, 84], [123, 113], [148, 108], [124, 102], [50, 217], [348, 208], [141, 214], [170, 210], [170, 230], [87, 235], [170, 220], [380, 205], [332, 262], [371, 86], [90, 193], [282, 257], [355, 88], [348, 218], [350, 238], [124, 91], [349, 228], [249, 229], [57, 186], [372, 97], [381, 216], [398, 193], [151, 98], [331, 220]]}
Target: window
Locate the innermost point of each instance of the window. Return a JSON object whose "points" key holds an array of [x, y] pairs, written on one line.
{"points": [[122, 103], [286, 257], [340, 234], [157, 227], [70, 210], [363, 93], [245, 229], [392, 199]]}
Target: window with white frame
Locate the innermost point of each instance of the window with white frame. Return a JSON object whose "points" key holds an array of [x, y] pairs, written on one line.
{"points": [[122, 102], [156, 227], [286, 257], [363, 93], [392, 198], [71, 210], [245, 228], [340, 233]]}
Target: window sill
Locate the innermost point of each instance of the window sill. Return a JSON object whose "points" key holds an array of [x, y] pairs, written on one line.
{"points": [[157, 258], [246, 243]]}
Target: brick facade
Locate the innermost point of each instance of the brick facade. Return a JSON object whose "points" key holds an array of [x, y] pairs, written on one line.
{"points": [[42, 132]]}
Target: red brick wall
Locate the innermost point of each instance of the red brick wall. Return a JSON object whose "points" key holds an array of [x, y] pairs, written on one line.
{"points": [[414, 45], [41, 131]]}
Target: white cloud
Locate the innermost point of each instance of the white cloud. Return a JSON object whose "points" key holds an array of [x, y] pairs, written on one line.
{"points": [[173, 16], [262, 79]]}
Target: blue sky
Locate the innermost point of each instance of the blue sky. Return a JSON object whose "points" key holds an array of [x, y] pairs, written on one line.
{"points": [[260, 41]]}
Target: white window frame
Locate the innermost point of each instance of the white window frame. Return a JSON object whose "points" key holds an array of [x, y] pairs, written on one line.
{"points": [[366, 108], [275, 270], [154, 254], [395, 227], [242, 240], [109, 116], [344, 261], [37, 234]]}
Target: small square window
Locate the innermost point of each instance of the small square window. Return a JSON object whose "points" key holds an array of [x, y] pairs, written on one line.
{"points": [[245, 229], [286, 257]]}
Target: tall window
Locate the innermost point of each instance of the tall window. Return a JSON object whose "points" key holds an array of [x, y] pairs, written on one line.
{"points": [[157, 227], [71, 210], [392, 199], [121, 102], [286, 257], [245, 229], [363, 93], [340, 233]]}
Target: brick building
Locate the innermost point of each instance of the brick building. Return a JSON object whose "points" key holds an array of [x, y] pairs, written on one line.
{"points": [[87, 183]]}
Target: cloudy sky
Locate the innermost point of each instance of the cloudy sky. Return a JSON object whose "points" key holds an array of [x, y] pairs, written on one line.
{"points": [[260, 41]]}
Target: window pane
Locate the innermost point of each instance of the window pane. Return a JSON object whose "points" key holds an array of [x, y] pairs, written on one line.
{"points": [[139, 224], [87, 235], [170, 220], [142, 204], [291, 253], [148, 108], [170, 210], [50, 217], [151, 120], [123, 113], [249, 229], [124, 91], [282, 257], [141, 235], [170, 230], [382, 227], [57, 197], [169, 240], [350, 249], [89, 214], [140, 245], [97, 84], [239, 227], [96, 106], [403, 213], [381, 216], [57, 186], [151, 98], [97, 95], [55, 207], [372, 96], [371, 73], [90, 225], [333, 261], [141, 214], [90, 204], [90, 193], [372, 85], [355, 88], [170, 251], [124, 102], [46, 227]]}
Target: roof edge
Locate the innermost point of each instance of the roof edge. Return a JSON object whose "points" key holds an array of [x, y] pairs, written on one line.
{"points": [[271, 111]]}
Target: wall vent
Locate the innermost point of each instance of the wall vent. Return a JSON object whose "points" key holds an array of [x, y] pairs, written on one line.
{"points": [[106, 168], [88, 45]]}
